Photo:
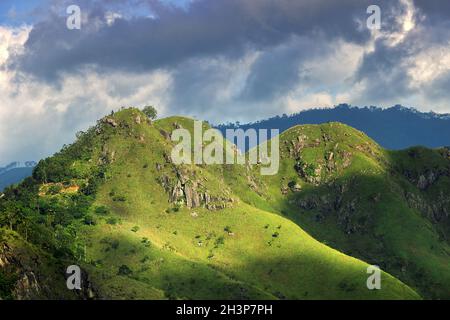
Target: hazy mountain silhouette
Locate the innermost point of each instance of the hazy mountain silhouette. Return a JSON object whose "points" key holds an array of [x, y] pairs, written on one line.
{"points": [[397, 127], [14, 173]]}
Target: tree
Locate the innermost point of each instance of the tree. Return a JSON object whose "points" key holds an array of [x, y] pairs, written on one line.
{"points": [[150, 112]]}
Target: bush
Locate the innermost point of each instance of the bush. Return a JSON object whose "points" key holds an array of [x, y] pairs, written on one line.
{"points": [[7, 283], [89, 220], [219, 241], [112, 221], [115, 244], [146, 242], [119, 198], [54, 189], [135, 229], [124, 270], [102, 210]]}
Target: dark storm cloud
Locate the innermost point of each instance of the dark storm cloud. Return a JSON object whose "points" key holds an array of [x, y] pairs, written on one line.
{"points": [[385, 70], [217, 27], [279, 69], [434, 9]]}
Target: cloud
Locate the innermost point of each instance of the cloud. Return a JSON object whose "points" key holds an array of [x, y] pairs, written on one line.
{"points": [[172, 35], [409, 61], [219, 60], [37, 118]]}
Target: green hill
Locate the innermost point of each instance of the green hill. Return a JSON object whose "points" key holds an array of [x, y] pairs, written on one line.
{"points": [[143, 228], [389, 208]]}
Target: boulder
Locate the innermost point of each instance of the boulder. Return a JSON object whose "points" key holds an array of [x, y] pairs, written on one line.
{"points": [[111, 122]]}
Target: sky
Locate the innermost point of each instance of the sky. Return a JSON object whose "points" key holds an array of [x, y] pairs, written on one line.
{"points": [[217, 60]]}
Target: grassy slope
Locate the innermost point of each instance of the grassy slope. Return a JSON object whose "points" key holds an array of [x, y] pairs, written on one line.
{"points": [[360, 209], [250, 263], [22, 261]]}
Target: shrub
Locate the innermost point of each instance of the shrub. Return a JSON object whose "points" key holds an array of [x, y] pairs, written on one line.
{"points": [[7, 283], [124, 270], [146, 242], [119, 198], [135, 229], [102, 210], [115, 244], [112, 221], [54, 189], [89, 220], [219, 241]]}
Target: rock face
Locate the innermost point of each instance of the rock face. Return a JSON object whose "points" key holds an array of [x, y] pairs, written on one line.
{"points": [[29, 281], [27, 285], [185, 188], [88, 290], [107, 156], [111, 122], [309, 172], [165, 134], [436, 211], [426, 180], [337, 200]]}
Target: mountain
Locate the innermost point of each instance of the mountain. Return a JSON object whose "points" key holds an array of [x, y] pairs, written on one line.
{"points": [[142, 227], [14, 173], [393, 128], [389, 208], [14, 176]]}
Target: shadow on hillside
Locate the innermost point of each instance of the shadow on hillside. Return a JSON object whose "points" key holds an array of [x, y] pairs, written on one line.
{"points": [[368, 217], [272, 277]]}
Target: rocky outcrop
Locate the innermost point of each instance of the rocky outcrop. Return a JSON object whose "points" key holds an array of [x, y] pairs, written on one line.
{"points": [[309, 172], [366, 148], [423, 179], [436, 211], [426, 180], [111, 122], [185, 188], [107, 156], [30, 283], [336, 201], [27, 285], [165, 134]]}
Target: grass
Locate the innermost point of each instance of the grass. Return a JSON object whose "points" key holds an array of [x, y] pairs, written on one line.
{"points": [[388, 231]]}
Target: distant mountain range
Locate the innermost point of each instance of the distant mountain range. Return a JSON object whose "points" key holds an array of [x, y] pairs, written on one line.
{"points": [[15, 172], [393, 128]]}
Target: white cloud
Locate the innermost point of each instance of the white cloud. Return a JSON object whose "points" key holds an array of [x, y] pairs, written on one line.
{"points": [[306, 101], [36, 118]]}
